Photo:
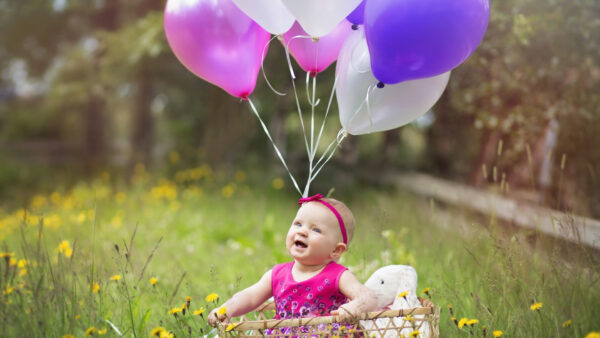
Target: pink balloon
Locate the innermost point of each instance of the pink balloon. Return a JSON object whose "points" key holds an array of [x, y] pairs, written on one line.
{"points": [[216, 41], [315, 57]]}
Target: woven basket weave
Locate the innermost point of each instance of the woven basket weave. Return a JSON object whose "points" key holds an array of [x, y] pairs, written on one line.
{"points": [[388, 323]]}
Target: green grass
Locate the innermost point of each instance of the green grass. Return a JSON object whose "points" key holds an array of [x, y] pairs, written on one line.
{"points": [[200, 232]]}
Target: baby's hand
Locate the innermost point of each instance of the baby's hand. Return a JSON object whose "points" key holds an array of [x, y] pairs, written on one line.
{"points": [[342, 313], [214, 317], [425, 302]]}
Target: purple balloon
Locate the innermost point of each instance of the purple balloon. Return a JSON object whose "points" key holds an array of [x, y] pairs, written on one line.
{"points": [[216, 41], [414, 39], [315, 57], [357, 16]]}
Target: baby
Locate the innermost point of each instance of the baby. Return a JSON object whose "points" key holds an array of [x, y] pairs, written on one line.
{"points": [[313, 284]]}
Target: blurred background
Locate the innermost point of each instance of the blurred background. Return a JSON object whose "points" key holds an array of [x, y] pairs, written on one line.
{"points": [[89, 87]]}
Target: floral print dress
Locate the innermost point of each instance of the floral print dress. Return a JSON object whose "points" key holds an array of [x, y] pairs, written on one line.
{"points": [[316, 296]]}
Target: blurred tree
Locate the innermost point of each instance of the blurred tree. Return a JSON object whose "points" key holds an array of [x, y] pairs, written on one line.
{"points": [[536, 72]]}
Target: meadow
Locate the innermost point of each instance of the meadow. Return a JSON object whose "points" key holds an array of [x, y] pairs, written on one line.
{"points": [[155, 253]]}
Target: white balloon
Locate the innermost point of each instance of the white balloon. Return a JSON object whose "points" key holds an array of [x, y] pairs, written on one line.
{"points": [[386, 108], [319, 17], [271, 15]]}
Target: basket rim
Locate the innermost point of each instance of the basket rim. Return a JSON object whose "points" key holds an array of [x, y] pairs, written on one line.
{"points": [[278, 323]]}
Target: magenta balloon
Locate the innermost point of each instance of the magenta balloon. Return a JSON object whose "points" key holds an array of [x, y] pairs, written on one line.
{"points": [[315, 57], [216, 41], [413, 39]]}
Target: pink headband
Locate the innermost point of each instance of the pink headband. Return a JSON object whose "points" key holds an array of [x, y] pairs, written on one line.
{"points": [[319, 198]]}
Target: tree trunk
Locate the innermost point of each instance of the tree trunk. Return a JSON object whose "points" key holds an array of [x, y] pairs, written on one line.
{"points": [[143, 124], [388, 149], [486, 156]]}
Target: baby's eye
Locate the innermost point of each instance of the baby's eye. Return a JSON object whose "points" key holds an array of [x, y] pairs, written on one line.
{"points": [[298, 224], [317, 230]]}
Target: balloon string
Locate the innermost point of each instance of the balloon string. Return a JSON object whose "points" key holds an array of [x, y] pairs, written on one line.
{"points": [[262, 66], [313, 147], [327, 110], [274, 145], [338, 140], [369, 91], [310, 101], [363, 103], [287, 53]]}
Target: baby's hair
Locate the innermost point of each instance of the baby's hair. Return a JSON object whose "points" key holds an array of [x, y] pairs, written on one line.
{"points": [[346, 214]]}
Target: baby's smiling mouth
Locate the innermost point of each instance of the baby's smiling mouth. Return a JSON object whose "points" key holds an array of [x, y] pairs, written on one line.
{"points": [[300, 244]]}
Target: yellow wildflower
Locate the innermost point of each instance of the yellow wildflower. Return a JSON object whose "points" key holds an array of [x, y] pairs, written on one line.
{"points": [[22, 272], [22, 263], [240, 176], [153, 281], [277, 183], [8, 290], [6, 255], [593, 334], [230, 327], [95, 287], [199, 312], [222, 310], [462, 323], [174, 311], [454, 320], [166, 334], [497, 333], [212, 297], [410, 318], [450, 309], [65, 248], [90, 331], [472, 322], [415, 333], [535, 306], [12, 262], [102, 331], [403, 295], [567, 323], [426, 292], [68, 252], [228, 190], [77, 316], [157, 331], [68, 336], [115, 277]]}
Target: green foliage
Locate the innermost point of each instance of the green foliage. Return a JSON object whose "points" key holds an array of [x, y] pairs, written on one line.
{"points": [[195, 237]]}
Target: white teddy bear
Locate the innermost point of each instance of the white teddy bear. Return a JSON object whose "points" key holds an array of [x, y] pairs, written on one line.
{"points": [[395, 287]]}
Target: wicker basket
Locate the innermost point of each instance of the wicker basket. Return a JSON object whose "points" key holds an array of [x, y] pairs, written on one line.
{"points": [[388, 323]]}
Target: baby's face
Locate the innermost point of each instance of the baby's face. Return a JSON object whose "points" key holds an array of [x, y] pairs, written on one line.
{"points": [[314, 235]]}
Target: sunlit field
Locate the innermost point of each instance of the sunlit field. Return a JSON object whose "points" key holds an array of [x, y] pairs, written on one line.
{"points": [[153, 255]]}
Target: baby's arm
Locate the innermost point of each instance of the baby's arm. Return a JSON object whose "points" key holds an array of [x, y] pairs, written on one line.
{"points": [[245, 300], [362, 299]]}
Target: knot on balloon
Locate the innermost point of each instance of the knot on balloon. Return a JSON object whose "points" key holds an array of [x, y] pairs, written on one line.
{"points": [[355, 27], [380, 85]]}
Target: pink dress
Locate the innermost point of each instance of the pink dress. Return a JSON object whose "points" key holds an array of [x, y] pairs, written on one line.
{"points": [[316, 296]]}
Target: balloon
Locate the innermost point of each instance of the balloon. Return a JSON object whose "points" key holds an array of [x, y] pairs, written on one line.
{"points": [[389, 107], [316, 56], [320, 17], [216, 41], [271, 15], [413, 39], [357, 15]]}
